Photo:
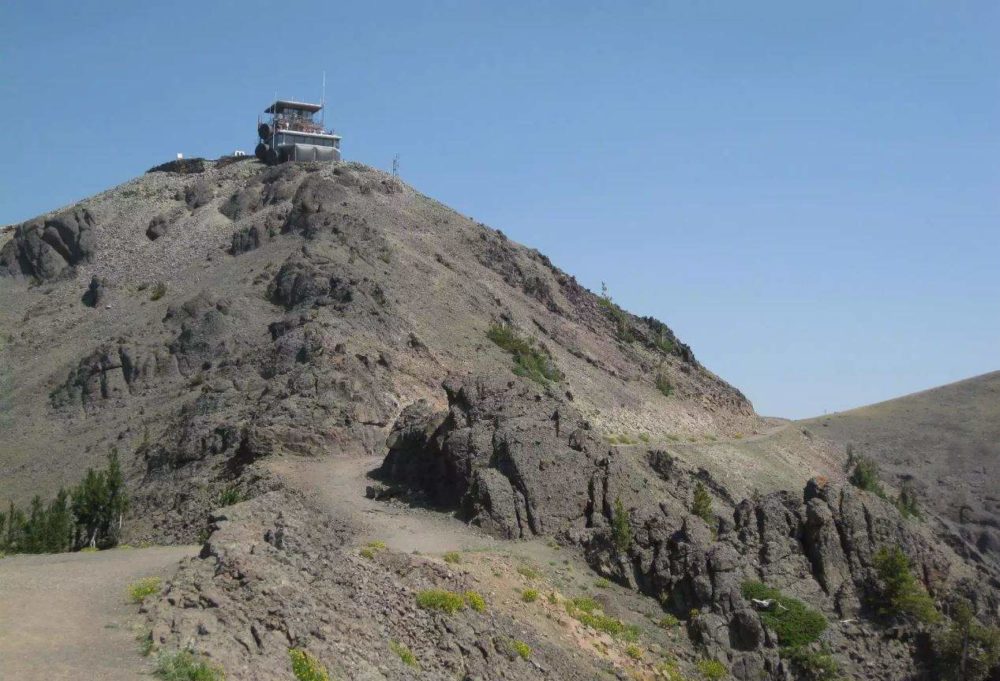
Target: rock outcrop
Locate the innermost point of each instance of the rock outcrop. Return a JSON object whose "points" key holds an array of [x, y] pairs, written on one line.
{"points": [[47, 248]]}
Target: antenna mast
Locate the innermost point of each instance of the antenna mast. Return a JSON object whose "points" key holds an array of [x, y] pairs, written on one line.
{"points": [[322, 101], [395, 165]]}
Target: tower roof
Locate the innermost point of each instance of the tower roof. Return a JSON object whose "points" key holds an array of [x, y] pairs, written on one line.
{"points": [[286, 104]]}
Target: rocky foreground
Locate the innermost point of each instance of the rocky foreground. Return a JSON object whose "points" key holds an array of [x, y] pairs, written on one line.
{"points": [[212, 321]]}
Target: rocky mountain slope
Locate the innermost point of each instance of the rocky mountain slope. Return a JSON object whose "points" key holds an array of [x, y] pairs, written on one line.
{"points": [[945, 441], [223, 325]]}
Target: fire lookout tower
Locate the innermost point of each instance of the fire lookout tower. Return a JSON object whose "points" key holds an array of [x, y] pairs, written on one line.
{"points": [[291, 134]]}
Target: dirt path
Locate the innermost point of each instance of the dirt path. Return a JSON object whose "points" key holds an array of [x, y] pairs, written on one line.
{"points": [[339, 485], [66, 616]]}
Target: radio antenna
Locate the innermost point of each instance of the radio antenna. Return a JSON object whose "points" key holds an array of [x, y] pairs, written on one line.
{"points": [[322, 101]]}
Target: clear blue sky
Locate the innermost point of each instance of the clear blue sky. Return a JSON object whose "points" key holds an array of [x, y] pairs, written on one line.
{"points": [[809, 195]]}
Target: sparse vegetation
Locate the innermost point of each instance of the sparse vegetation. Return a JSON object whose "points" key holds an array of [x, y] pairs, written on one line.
{"points": [[712, 669], [907, 502], [701, 505], [529, 595], [795, 623], [404, 653], [621, 530], [441, 600], [633, 651], [899, 593], [663, 384], [588, 612], [529, 361], [185, 666], [618, 316], [966, 650], [453, 557], [159, 290], [305, 667], [602, 583], [528, 572], [137, 591], [372, 548]]}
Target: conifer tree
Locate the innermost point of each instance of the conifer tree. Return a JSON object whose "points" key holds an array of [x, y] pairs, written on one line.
{"points": [[702, 504]]}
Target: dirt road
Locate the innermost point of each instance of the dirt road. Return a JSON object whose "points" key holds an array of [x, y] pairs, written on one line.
{"points": [[67, 616]]}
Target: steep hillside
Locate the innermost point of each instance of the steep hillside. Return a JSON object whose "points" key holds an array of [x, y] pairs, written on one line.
{"points": [[946, 441], [354, 398]]}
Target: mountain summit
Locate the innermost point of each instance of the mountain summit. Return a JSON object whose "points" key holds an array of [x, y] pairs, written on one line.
{"points": [[412, 448]]}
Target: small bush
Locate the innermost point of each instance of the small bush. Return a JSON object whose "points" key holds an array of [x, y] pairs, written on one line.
{"points": [[795, 623], [159, 290], [453, 557], [305, 667], [618, 316], [529, 595], [907, 502], [866, 476], [812, 665], [900, 594], [183, 666], [668, 621], [370, 549], [966, 650], [529, 361], [663, 385], [439, 599], [701, 506], [137, 591], [229, 496], [521, 648], [712, 669], [475, 601], [602, 584], [621, 530], [633, 651], [404, 653]]}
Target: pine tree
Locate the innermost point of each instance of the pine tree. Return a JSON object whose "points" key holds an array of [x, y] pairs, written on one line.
{"points": [[620, 528], [117, 499], [59, 523], [15, 526], [89, 508], [34, 529], [702, 504]]}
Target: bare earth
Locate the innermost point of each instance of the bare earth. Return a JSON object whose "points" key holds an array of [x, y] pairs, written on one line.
{"points": [[67, 616]]}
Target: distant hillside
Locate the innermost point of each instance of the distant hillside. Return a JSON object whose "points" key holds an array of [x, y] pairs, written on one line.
{"points": [[947, 440]]}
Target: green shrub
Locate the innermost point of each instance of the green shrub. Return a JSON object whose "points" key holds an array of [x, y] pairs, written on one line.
{"points": [[439, 599], [159, 290], [900, 594], [529, 595], [701, 506], [229, 496], [621, 530], [618, 316], [812, 665], [183, 666], [370, 549], [795, 623], [663, 385], [453, 557], [633, 651], [712, 669], [907, 502], [529, 361], [866, 475], [521, 648], [668, 621], [404, 653], [602, 584], [305, 667], [475, 601], [147, 586]]}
